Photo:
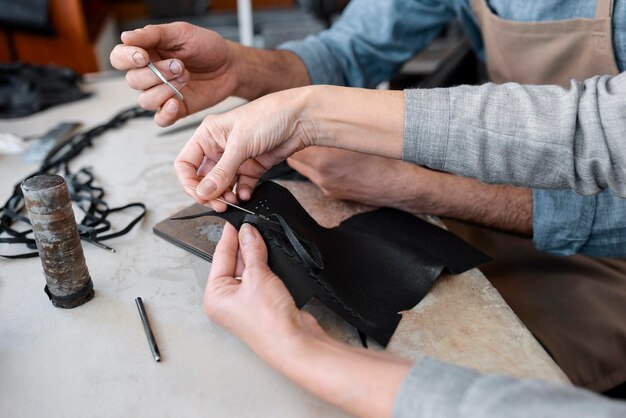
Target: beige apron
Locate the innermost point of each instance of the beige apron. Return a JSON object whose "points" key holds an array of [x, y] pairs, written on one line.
{"points": [[575, 306], [548, 52]]}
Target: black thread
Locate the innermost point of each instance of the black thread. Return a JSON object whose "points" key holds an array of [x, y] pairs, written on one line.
{"points": [[82, 191]]}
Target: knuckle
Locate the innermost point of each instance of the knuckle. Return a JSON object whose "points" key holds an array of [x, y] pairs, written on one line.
{"points": [[184, 26], [130, 79], [147, 102], [259, 272], [221, 173], [327, 192], [323, 183], [163, 120]]}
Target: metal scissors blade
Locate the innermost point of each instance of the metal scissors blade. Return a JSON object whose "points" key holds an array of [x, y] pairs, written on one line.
{"points": [[164, 80], [219, 199]]}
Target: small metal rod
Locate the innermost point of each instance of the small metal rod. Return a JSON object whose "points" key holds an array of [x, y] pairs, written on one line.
{"points": [[219, 199], [100, 245], [148, 329], [161, 77]]}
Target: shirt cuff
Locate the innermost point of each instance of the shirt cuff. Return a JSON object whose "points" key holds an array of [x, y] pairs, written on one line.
{"points": [[565, 223], [562, 220], [432, 389], [426, 127], [318, 59]]}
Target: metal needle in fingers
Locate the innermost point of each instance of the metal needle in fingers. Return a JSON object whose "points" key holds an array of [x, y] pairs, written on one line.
{"points": [[164, 80], [219, 199]]}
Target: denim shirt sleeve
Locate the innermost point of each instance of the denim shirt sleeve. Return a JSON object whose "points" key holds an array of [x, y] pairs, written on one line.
{"points": [[371, 40], [565, 223]]}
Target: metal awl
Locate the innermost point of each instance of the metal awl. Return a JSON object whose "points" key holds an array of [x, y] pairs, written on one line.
{"points": [[164, 80]]}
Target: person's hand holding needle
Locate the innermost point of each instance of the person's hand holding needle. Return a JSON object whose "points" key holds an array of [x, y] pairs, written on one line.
{"points": [[161, 77]]}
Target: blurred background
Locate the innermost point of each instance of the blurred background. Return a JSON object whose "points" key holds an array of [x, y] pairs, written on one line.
{"points": [[80, 34]]}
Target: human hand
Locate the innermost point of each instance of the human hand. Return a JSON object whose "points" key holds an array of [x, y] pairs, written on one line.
{"points": [[364, 178], [239, 146], [195, 60], [245, 297]]}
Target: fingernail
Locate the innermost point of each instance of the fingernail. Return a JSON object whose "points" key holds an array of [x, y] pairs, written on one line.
{"points": [[138, 58], [171, 106], [206, 188], [124, 34], [246, 234], [175, 67]]}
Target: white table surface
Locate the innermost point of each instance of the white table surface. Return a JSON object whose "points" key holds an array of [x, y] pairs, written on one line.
{"points": [[94, 360]]}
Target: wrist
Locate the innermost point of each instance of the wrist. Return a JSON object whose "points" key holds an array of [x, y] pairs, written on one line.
{"points": [[259, 72], [361, 120], [288, 352], [241, 67]]}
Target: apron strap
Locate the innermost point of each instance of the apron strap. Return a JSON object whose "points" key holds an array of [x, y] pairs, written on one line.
{"points": [[604, 9]]}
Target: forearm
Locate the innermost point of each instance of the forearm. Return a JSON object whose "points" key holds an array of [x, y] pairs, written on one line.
{"points": [[531, 136], [260, 72], [362, 120], [504, 208], [362, 382]]}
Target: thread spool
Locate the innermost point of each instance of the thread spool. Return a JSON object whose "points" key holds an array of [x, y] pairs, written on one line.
{"points": [[68, 283]]}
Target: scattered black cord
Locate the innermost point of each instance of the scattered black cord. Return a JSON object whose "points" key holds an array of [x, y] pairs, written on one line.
{"points": [[88, 197]]}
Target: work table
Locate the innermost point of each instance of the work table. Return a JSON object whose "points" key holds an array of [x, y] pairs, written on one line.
{"points": [[94, 360]]}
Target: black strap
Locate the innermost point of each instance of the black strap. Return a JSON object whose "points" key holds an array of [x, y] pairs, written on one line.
{"points": [[88, 197], [311, 257], [70, 301]]}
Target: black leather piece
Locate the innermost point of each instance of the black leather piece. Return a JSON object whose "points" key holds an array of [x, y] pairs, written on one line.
{"points": [[26, 89], [375, 264]]}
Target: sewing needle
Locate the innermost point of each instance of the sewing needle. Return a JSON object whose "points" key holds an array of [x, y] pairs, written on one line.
{"points": [[164, 80], [219, 199]]}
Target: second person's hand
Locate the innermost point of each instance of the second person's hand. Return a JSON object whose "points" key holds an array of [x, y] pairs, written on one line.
{"points": [[195, 60]]}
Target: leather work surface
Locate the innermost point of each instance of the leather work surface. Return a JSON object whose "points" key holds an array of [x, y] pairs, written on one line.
{"points": [[367, 270]]}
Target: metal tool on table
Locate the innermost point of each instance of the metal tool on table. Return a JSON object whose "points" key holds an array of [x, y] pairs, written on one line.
{"points": [[49, 143], [161, 77], [148, 329]]}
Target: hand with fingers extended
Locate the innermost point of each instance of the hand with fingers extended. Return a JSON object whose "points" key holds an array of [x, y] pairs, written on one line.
{"points": [[238, 147], [197, 61], [245, 297]]}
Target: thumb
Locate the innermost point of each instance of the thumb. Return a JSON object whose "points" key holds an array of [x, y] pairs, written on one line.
{"points": [[252, 247], [221, 176]]}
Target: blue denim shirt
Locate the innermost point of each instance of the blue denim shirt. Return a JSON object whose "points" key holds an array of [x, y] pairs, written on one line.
{"points": [[373, 38]]}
